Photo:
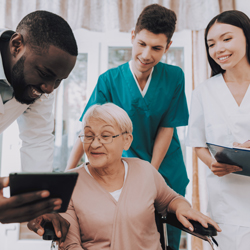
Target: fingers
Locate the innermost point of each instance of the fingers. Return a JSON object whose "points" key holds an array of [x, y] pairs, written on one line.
{"points": [[192, 214], [220, 169], [61, 227], [57, 225], [243, 145], [65, 228], [185, 223], [35, 225], [19, 200], [4, 182], [29, 212], [236, 144]]}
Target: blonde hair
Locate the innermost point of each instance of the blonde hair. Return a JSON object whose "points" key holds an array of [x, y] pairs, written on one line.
{"points": [[110, 113]]}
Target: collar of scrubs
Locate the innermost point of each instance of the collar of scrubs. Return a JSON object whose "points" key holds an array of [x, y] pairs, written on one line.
{"points": [[144, 91]]}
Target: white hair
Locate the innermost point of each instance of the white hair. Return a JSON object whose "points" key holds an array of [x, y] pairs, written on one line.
{"points": [[110, 113]]}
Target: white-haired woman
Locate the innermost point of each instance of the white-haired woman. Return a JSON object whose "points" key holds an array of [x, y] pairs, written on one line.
{"points": [[112, 206]]}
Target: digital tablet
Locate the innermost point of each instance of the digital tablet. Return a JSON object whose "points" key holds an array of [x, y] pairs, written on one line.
{"points": [[60, 185]]}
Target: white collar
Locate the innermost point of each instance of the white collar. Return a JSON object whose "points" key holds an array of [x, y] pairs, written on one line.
{"points": [[144, 91], [2, 74]]}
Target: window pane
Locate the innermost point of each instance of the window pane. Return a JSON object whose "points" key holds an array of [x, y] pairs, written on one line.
{"points": [[174, 56], [69, 104], [118, 56]]}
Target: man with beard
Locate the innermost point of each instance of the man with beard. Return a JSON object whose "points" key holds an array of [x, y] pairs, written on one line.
{"points": [[34, 60]]}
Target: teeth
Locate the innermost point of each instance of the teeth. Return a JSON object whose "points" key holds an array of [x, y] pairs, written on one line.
{"points": [[223, 58], [143, 62], [36, 92]]}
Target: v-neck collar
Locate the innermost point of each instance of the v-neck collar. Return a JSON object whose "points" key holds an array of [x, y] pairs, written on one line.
{"points": [[104, 190], [144, 91], [138, 101], [228, 98]]}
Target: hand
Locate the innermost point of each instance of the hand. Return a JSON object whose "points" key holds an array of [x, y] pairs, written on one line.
{"points": [[242, 145], [186, 214], [60, 224], [221, 169], [18, 209]]}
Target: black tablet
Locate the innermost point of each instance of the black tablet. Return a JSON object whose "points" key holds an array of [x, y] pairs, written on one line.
{"points": [[60, 185]]}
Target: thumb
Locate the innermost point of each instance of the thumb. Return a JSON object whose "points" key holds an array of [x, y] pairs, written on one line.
{"points": [[35, 226], [4, 182]]}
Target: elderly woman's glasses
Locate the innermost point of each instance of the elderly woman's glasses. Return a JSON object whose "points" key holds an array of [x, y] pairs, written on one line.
{"points": [[104, 139]]}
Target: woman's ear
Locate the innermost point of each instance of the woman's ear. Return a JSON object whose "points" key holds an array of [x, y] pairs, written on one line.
{"points": [[16, 44], [128, 140]]}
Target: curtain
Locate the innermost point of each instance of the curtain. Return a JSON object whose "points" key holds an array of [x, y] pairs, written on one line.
{"points": [[99, 15]]}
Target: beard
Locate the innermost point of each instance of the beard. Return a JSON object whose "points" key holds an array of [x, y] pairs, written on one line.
{"points": [[19, 84]]}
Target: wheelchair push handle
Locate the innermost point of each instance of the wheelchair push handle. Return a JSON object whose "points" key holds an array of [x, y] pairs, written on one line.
{"points": [[49, 232]]}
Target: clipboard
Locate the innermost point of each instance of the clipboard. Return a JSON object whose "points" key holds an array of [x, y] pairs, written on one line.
{"points": [[233, 156]]}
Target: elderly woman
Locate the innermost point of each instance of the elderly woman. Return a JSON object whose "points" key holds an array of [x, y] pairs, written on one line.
{"points": [[114, 200]]}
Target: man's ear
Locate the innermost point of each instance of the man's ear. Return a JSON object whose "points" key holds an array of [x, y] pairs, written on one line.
{"points": [[128, 141], [168, 46], [16, 44]]}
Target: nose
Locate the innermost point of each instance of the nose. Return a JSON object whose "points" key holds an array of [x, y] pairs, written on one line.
{"points": [[48, 87], [96, 142], [146, 53], [219, 48]]}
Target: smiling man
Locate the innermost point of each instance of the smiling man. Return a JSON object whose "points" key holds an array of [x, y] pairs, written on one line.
{"points": [[152, 93], [34, 60]]}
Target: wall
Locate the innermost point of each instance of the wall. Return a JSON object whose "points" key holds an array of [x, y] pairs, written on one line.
{"points": [[243, 5]]}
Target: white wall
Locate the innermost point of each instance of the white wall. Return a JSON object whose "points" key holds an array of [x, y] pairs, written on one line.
{"points": [[243, 5]]}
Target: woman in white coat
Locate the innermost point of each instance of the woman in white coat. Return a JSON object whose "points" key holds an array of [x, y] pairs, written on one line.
{"points": [[220, 114]]}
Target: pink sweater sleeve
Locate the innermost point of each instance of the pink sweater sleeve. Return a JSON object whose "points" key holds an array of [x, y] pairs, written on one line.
{"points": [[73, 240], [165, 194]]}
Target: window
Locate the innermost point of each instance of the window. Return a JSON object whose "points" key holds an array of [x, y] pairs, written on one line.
{"points": [[70, 101]]}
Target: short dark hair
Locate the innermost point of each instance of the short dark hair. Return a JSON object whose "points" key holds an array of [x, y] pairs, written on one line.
{"points": [[158, 20], [45, 28], [235, 18]]}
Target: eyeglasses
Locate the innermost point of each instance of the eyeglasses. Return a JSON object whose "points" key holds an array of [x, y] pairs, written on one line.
{"points": [[104, 139]]}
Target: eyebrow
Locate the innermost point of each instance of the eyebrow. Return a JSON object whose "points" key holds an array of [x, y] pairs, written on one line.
{"points": [[156, 46], [220, 35], [102, 126]]}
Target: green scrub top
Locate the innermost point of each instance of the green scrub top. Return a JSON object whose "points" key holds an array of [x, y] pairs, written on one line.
{"points": [[164, 105]]}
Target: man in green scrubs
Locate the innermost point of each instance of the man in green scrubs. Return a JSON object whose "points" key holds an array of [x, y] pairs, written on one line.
{"points": [[152, 93]]}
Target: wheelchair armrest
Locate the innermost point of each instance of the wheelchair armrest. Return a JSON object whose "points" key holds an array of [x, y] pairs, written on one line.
{"points": [[199, 230]]}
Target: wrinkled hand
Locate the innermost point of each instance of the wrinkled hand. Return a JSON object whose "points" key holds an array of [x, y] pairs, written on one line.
{"points": [[60, 224], [242, 145], [17, 209], [221, 169], [184, 215]]}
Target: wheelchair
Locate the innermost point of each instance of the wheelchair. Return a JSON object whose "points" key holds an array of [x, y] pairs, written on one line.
{"points": [[199, 231], [171, 219]]}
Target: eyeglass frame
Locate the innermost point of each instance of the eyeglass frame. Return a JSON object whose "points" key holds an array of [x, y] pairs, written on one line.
{"points": [[97, 136]]}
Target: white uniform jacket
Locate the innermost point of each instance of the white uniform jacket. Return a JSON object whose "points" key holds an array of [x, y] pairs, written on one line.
{"points": [[36, 126], [215, 117]]}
